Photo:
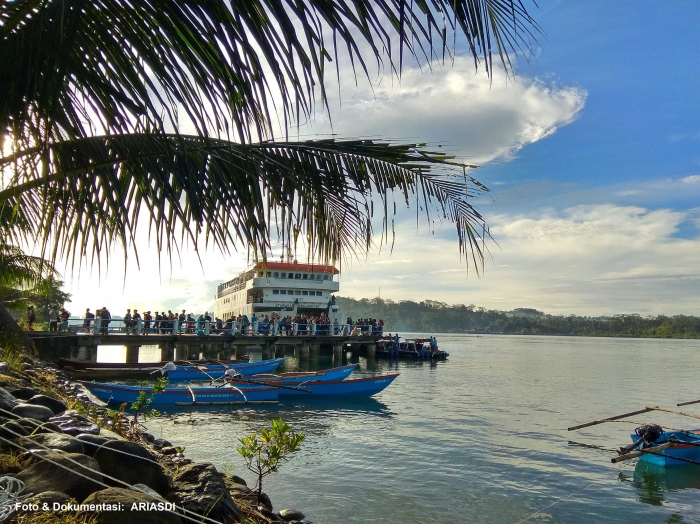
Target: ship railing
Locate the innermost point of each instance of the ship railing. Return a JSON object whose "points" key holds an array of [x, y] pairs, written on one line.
{"points": [[117, 325]]}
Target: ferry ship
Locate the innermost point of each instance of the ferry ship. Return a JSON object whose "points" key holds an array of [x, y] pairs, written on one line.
{"points": [[282, 288]]}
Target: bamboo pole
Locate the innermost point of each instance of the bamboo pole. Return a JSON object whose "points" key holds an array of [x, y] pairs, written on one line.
{"points": [[675, 412], [688, 403], [616, 417], [635, 454]]}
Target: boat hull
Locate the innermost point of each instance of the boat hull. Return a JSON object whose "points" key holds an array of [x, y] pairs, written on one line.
{"points": [[326, 375], [361, 387], [669, 457], [241, 394], [208, 372]]}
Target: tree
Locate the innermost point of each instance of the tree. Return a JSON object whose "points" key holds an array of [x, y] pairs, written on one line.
{"points": [[95, 97], [264, 454]]}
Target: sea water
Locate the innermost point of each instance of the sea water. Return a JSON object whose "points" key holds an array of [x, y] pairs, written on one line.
{"points": [[478, 438]]}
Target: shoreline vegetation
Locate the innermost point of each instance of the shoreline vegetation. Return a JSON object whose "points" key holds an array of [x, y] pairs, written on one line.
{"points": [[431, 316]]}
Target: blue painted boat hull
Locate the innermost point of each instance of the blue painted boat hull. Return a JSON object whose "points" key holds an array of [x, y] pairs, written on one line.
{"points": [[326, 375], [242, 394], [665, 458], [361, 387], [209, 371]]}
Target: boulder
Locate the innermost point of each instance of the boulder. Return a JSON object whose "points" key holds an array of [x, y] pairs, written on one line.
{"points": [[78, 427], [160, 443], [265, 501], [49, 498], [29, 424], [46, 476], [7, 401], [23, 393], [4, 368], [238, 480], [291, 514], [12, 430], [57, 441], [200, 488], [39, 413], [48, 427], [43, 400], [131, 463], [92, 442], [127, 498], [269, 514]]}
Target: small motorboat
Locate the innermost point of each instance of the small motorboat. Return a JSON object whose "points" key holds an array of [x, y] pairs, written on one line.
{"points": [[174, 372], [683, 446], [86, 370], [192, 396]]}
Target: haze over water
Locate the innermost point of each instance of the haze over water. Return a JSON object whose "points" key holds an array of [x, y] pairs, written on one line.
{"points": [[480, 438]]}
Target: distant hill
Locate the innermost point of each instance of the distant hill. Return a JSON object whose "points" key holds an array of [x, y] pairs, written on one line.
{"points": [[431, 316]]}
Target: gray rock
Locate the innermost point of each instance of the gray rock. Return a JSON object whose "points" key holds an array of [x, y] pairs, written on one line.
{"points": [[152, 493], [237, 489], [12, 430], [160, 443], [138, 466], [4, 368], [92, 442], [48, 427], [45, 476], [43, 400], [127, 498], [238, 480], [269, 514], [49, 497], [39, 413], [23, 393], [200, 488], [57, 441], [265, 500], [78, 427], [291, 514], [7, 401], [29, 424]]}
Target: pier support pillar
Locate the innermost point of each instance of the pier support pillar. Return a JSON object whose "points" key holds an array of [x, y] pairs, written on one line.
{"points": [[268, 351], [132, 354], [279, 350], [338, 355], [304, 352], [180, 351], [167, 352], [371, 350], [314, 349], [240, 351]]}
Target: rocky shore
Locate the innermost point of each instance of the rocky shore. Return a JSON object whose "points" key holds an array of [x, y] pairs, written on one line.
{"points": [[82, 462]]}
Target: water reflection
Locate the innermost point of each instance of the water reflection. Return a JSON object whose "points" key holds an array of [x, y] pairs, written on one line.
{"points": [[652, 482]]}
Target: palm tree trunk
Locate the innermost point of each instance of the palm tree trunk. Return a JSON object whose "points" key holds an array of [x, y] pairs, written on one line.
{"points": [[13, 341]]}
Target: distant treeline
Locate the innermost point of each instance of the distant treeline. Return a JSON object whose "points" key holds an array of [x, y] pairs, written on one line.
{"points": [[435, 317]]}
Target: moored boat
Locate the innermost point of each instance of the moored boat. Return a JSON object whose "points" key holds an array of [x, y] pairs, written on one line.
{"points": [[684, 447], [360, 387], [298, 377], [212, 371], [86, 370], [194, 396]]}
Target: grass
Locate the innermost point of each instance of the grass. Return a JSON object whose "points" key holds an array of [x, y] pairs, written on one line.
{"points": [[53, 517], [10, 463]]}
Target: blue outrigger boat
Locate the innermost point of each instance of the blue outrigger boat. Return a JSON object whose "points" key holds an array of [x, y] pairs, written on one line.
{"points": [[360, 387], [209, 371], [684, 450], [206, 396], [299, 377]]}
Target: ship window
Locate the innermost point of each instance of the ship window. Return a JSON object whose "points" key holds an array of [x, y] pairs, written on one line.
{"points": [[275, 291], [260, 273], [283, 291], [269, 274], [319, 294], [297, 276], [319, 277], [283, 275], [304, 292], [297, 292], [305, 276], [290, 292], [325, 277], [276, 274]]}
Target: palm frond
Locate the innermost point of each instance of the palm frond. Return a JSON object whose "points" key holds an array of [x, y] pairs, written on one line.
{"points": [[97, 190], [76, 68]]}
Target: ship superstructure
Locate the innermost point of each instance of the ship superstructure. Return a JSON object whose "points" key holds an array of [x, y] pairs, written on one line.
{"points": [[284, 288]]}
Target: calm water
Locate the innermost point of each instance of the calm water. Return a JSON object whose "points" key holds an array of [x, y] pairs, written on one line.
{"points": [[480, 438]]}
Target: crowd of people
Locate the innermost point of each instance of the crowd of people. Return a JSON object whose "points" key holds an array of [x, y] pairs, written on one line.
{"points": [[164, 323]]}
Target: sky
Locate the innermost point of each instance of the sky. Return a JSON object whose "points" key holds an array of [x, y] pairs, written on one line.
{"points": [[591, 154]]}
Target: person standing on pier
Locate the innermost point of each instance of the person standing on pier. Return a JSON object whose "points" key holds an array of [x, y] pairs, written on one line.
{"points": [[127, 321], [64, 316], [88, 320], [135, 320], [147, 317], [53, 318], [31, 318]]}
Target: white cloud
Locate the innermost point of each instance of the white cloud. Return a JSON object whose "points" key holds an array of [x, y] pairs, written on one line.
{"points": [[453, 105], [591, 260], [692, 179]]}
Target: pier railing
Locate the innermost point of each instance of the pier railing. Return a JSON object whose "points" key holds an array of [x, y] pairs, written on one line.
{"points": [[112, 326]]}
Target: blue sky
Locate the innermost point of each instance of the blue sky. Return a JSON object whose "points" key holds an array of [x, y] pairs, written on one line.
{"points": [[592, 154]]}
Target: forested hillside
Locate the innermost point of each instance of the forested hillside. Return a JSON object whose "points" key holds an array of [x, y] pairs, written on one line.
{"points": [[438, 317]]}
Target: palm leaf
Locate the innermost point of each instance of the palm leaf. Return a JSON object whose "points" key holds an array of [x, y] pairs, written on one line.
{"points": [[97, 190]]}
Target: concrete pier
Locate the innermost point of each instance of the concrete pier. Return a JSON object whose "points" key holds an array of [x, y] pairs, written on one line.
{"points": [[304, 352], [132, 354], [371, 350]]}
